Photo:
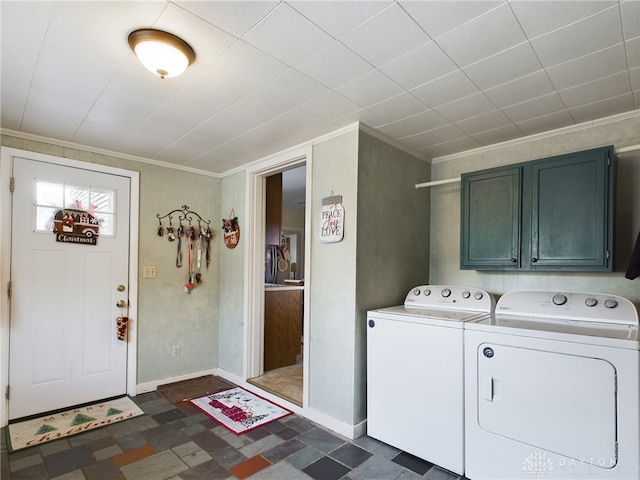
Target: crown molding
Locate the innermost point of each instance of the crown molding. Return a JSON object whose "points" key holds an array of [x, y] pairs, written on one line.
{"points": [[101, 151]]}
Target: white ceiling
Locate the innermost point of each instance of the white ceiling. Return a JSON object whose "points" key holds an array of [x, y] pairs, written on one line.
{"points": [[439, 77]]}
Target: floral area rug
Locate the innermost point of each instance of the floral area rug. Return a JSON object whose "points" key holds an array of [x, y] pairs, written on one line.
{"points": [[35, 431], [239, 410]]}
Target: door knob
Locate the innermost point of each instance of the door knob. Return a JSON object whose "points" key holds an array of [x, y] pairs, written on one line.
{"points": [[121, 303], [121, 288]]}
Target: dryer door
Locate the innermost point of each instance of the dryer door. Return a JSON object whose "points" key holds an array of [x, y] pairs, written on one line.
{"points": [[557, 402]]}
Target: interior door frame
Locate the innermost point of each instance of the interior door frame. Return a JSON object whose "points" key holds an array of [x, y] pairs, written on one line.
{"points": [[254, 261], [6, 160]]}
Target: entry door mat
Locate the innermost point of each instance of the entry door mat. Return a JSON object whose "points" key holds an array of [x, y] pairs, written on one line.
{"points": [[196, 387], [35, 431], [239, 410]]}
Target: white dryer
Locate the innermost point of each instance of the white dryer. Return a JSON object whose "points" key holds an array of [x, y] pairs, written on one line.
{"points": [[415, 377], [552, 388]]}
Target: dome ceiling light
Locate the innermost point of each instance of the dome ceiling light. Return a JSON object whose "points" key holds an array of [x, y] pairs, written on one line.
{"points": [[160, 52]]}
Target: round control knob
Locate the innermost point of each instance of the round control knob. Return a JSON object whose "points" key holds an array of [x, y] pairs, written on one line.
{"points": [[559, 299], [478, 295], [426, 292], [591, 302], [466, 294], [446, 292], [416, 292], [611, 303]]}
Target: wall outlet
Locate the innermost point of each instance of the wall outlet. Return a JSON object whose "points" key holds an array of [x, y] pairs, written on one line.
{"points": [[177, 350], [149, 271]]}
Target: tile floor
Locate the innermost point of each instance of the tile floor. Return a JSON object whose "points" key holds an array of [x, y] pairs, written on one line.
{"points": [[177, 442]]}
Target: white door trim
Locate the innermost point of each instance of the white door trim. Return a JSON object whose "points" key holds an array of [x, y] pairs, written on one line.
{"points": [[254, 260], [6, 156]]}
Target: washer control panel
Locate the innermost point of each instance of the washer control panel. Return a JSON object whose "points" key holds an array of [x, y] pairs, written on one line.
{"points": [[451, 297], [593, 307]]}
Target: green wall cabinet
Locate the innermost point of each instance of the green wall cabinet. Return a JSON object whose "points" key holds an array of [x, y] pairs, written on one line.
{"points": [[553, 214]]}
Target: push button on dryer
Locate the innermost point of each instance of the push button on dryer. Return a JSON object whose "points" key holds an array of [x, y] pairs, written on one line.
{"points": [[611, 303]]}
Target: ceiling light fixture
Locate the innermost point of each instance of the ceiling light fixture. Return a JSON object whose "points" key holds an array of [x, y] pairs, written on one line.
{"points": [[160, 52]]}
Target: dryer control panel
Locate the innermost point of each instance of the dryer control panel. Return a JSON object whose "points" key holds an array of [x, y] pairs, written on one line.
{"points": [[580, 306], [450, 297]]}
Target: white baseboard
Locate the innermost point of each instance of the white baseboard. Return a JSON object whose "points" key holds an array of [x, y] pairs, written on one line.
{"points": [[349, 431], [152, 386]]}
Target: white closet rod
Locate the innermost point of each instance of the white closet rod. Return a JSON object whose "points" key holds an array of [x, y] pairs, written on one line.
{"points": [[631, 148]]}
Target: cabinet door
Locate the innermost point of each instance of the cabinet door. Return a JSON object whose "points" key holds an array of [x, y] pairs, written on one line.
{"points": [[570, 225], [282, 328], [491, 216]]}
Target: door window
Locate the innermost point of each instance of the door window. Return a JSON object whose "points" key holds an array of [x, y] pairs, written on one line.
{"points": [[51, 197]]}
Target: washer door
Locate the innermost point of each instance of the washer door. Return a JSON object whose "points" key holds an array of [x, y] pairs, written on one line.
{"points": [[560, 403]]}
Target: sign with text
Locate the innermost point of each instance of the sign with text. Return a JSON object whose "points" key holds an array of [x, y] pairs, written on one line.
{"points": [[332, 220]]}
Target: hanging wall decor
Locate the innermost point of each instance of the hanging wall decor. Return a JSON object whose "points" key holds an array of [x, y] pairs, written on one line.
{"points": [[197, 238], [332, 219], [73, 225], [231, 230]]}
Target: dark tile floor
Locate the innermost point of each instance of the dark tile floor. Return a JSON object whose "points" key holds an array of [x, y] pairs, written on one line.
{"points": [[177, 442]]}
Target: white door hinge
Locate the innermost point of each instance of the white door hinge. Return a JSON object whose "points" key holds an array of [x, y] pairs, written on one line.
{"points": [[8, 392], [9, 288], [12, 184]]}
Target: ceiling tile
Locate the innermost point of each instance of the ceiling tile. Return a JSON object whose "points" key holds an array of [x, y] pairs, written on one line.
{"points": [[419, 66], [42, 122], [630, 11], [476, 104], [440, 17], [482, 37], [546, 123], [521, 89], [401, 35], [345, 65], [24, 42], [534, 108], [246, 63], [280, 32], [482, 123], [635, 79], [588, 68], [503, 67], [251, 111], [445, 89], [398, 107], [352, 14], [216, 129], [297, 118], [118, 125], [632, 47], [197, 106], [538, 18], [436, 135], [374, 87], [83, 77], [424, 121], [603, 30], [499, 135], [602, 89], [331, 105], [219, 87], [234, 17], [294, 88], [187, 148], [595, 110]]}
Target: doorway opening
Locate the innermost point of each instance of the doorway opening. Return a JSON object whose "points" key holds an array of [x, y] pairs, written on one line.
{"points": [[276, 328]]}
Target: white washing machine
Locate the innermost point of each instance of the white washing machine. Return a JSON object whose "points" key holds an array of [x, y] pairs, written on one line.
{"points": [[415, 377], [552, 388]]}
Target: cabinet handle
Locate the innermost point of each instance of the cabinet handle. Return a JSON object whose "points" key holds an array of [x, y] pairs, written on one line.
{"points": [[534, 260], [514, 260]]}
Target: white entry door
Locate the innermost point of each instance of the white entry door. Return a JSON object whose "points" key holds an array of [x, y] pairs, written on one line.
{"points": [[64, 345]]}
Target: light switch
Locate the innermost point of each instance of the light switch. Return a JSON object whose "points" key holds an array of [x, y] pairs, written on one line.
{"points": [[149, 271]]}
